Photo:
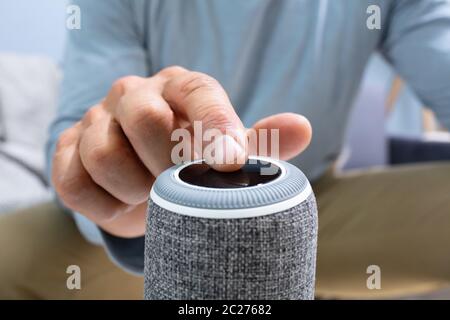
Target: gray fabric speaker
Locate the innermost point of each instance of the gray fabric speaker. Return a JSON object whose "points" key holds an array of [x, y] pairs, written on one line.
{"points": [[250, 234]]}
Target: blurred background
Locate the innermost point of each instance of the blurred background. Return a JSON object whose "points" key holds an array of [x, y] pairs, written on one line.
{"points": [[388, 125]]}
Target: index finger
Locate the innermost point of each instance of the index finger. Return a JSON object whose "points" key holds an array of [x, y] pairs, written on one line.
{"points": [[201, 100]]}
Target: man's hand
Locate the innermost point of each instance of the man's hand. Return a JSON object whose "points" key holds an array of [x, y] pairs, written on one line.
{"points": [[105, 165]]}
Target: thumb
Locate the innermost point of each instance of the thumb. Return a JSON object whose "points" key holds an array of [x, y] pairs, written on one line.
{"points": [[295, 134]]}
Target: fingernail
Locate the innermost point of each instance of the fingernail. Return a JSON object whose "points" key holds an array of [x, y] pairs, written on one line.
{"points": [[224, 150]]}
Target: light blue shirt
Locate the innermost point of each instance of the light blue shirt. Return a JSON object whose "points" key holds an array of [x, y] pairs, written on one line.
{"points": [[302, 56]]}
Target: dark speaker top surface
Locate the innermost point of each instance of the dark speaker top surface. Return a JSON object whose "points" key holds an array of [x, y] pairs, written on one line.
{"points": [[200, 174]]}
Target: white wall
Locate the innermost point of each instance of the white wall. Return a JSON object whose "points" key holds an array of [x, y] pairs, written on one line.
{"points": [[36, 26], [366, 143], [406, 119]]}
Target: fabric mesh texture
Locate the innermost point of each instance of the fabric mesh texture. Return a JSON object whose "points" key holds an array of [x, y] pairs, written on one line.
{"points": [[266, 257]]}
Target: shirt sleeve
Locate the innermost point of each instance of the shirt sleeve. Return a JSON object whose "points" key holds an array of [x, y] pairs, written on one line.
{"points": [[417, 44], [109, 45]]}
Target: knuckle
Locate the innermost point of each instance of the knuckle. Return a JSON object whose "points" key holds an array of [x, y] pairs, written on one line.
{"points": [[215, 116], [141, 117], [92, 115], [103, 159], [122, 84], [63, 141], [66, 138], [98, 157], [68, 189], [196, 81], [171, 71], [118, 86]]}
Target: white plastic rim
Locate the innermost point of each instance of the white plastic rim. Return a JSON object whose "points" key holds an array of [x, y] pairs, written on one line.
{"points": [[232, 213]]}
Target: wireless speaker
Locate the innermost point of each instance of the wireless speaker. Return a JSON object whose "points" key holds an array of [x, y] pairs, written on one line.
{"points": [[249, 234]]}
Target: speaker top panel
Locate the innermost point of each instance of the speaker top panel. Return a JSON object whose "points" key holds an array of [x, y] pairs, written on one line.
{"points": [[250, 175], [261, 186]]}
